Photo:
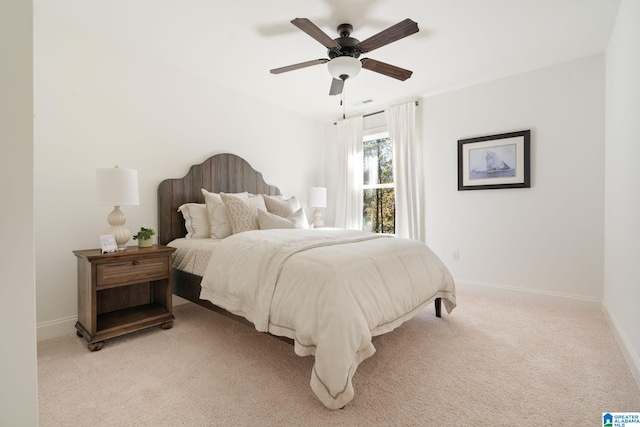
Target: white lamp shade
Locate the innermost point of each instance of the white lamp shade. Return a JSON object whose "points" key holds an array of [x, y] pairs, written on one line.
{"points": [[117, 187], [318, 197], [344, 66]]}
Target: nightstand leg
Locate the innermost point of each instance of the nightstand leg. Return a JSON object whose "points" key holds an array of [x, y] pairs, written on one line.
{"points": [[78, 333], [167, 325], [95, 346]]}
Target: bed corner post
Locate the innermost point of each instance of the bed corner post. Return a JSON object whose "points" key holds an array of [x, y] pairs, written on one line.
{"points": [[438, 305]]}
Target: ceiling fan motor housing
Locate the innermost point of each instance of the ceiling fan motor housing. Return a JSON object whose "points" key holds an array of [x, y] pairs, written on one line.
{"points": [[348, 45]]}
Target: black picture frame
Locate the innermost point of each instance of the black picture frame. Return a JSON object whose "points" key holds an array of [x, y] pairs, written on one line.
{"points": [[495, 161]]}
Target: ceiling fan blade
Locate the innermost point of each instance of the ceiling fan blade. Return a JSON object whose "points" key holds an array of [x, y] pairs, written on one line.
{"points": [[395, 32], [336, 87], [298, 66], [386, 69], [310, 28]]}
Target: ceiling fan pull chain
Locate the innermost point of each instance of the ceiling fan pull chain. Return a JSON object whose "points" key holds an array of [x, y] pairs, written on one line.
{"points": [[342, 103]]}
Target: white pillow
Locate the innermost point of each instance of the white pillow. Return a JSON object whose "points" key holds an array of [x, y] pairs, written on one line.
{"points": [[299, 219], [219, 223], [196, 220], [243, 211], [280, 206], [269, 221]]}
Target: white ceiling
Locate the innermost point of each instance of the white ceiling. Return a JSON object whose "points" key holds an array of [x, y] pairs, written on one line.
{"points": [[236, 43]]}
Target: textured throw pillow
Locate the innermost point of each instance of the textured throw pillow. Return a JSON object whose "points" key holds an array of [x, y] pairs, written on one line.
{"points": [[219, 223], [269, 221], [280, 206], [243, 211], [196, 220]]}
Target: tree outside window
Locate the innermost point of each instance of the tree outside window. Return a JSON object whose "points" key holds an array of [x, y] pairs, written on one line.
{"points": [[379, 210]]}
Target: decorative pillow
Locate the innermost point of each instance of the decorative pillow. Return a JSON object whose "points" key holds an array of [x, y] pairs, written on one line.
{"points": [[280, 206], [196, 220], [243, 211], [299, 219], [219, 223], [269, 221]]}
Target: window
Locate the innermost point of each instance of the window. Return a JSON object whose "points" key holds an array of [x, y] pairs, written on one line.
{"points": [[379, 208]]}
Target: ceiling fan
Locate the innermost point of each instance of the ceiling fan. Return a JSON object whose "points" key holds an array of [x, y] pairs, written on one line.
{"points": [[344, 52]]}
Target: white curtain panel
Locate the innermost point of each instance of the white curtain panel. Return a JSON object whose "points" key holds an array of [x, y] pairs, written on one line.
{"points": [[350, 174], [407, 171]]}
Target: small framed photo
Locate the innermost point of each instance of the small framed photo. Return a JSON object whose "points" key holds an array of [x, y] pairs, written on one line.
{"points": [[495, 161], [108, 243]]}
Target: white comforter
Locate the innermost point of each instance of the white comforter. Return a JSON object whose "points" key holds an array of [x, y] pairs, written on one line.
{"points": [[329, 290]]}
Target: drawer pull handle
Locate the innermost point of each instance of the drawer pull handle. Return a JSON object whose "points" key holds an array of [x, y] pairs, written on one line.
{"points": [[136, 262]]}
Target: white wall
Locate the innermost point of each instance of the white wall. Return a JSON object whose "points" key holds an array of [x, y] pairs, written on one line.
{"points": [[97, 106], [548, 238], [18, 370], [622, 203]]}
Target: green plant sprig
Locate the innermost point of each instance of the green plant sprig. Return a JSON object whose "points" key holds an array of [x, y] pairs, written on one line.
{"points": [[144, 234]]}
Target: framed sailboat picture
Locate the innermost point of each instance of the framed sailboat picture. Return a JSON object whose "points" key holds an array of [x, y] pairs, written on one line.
{"points": [[495, 161]]}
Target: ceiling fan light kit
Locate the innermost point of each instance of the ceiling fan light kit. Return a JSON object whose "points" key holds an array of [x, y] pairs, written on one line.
{"points": [[343, 52], [344, 67]]}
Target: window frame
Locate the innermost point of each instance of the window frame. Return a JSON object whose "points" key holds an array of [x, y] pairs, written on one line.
{"points": [[371, 134], [380, 132]]}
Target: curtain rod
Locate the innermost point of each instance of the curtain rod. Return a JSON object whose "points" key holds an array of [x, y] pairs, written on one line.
{"points": [[374, 113]]}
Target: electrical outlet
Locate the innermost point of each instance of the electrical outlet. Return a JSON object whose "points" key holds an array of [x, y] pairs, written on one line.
{"points": [[455, 255]]}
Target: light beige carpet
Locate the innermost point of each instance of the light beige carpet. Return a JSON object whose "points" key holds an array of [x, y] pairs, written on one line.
{"points": [[492, 362]]}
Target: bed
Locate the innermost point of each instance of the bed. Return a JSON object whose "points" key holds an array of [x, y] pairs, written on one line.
{"points": [[327, 291]]}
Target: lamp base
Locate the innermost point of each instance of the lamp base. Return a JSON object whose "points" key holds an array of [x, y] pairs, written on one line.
{"points": [[317, 219], [117, 219]]}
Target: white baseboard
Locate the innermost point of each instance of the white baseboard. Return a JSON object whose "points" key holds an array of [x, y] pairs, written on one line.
{"points": [[56, 328], [530, 294], [627, 350]]}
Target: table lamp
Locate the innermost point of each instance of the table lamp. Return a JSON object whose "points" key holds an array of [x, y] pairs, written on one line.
{"points": [[317, 199], [117, 187]]}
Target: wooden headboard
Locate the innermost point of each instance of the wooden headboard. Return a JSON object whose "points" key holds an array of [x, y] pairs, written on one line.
{"points": [[226, 173]]}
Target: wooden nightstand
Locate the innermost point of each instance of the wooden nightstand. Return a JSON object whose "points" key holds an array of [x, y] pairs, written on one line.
{"points": [[123, 292]]}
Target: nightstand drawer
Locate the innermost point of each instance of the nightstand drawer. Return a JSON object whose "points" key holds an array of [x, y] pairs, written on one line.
{"points": [[132, 271]]}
